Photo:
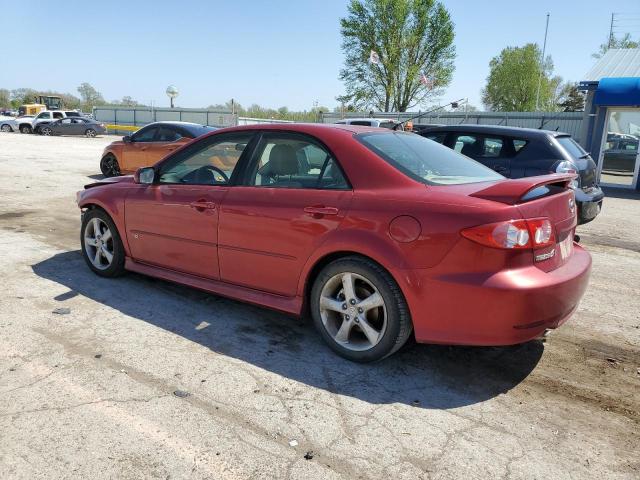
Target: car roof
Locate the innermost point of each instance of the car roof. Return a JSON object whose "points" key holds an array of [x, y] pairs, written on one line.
{"points": [[366, 119], [494, 130], [309, 128]]}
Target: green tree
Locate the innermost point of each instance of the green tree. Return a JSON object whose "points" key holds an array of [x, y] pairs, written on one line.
{"points": [[614, 42], [571, 99], [21, 96], [512, 83], [411, 37], [5, 98], [90, 96]]}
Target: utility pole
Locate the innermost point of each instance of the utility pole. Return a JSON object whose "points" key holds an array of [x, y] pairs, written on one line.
{"points": [[544, 50], [613, 15]]}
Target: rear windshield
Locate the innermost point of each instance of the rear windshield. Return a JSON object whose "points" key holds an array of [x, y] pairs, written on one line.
{"points": [[572, 147], [425, 160]]}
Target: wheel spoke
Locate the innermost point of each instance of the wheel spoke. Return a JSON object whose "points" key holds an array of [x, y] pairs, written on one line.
{"points": [[371, 333], [96, 227], [90, 241], [106, 235], [348, 287], [96, 258], [330, 304], [372, 301], [343, 332], [106, 254]]}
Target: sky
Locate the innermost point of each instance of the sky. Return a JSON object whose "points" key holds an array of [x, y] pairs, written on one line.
{"points": [[274, 53]]}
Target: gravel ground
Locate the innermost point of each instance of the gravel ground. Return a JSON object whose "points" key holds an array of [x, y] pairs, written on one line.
{"points": [[146, 379]]}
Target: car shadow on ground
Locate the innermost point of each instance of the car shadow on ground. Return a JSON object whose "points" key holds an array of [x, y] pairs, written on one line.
{"points": [[426, 376]]}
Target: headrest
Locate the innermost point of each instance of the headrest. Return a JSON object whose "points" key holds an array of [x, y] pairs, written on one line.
{"points": [[282, 161]]}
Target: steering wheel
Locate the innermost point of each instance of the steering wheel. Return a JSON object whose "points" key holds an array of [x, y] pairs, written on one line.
{"points": [[214, 170]]}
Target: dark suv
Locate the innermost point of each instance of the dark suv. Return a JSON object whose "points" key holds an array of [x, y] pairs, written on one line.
{"points": [[523, 152]]}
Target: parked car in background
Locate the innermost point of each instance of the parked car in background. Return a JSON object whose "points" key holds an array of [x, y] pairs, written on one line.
{"points": [[148, 145], [378, 233], [8, 124], [49, 116], [620, 152], [523, 152], [73, 126], [368, 122], [14, 124]]}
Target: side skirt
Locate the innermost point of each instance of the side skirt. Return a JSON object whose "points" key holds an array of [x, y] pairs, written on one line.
{"points": [[290, 305]]}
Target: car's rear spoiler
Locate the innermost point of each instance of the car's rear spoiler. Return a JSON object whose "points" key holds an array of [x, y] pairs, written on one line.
{"points": [[514, 191]]}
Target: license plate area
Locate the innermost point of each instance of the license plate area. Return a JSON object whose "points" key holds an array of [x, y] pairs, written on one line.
{"points": [[565, 247]]}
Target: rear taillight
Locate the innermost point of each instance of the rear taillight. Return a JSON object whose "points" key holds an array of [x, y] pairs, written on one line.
{"points": [[514, 234]]}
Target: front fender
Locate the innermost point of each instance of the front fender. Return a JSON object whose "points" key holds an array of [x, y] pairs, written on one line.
{"points": [[104, 198]]}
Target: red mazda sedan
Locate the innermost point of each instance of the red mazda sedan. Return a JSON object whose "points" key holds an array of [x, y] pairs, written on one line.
{"points": [[378, 233]]}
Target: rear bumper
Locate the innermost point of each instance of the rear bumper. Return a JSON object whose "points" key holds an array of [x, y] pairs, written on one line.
{"points": [[505, 308], [589, 204]]}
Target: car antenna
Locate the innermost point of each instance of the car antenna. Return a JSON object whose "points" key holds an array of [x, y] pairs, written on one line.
{"points": [[454, 104]]}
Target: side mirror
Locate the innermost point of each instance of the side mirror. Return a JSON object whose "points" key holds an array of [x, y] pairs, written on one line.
{"points": [[126, 139], [145, 175]]}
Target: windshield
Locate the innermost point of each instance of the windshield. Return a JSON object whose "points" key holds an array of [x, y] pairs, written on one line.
{"points": [[572, 147], [425, 160]]}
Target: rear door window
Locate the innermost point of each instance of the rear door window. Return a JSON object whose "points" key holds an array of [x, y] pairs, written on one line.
{"points": [[492, 147], [292, 161], [168, 134], [58, 115], [364, 123], [469, 145]]}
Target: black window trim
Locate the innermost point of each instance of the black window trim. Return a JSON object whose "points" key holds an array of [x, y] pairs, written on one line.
{"points": [[244, 179], [148, 127], [209, 140]]}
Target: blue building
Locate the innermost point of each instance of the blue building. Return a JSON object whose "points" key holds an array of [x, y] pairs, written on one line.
{"points": [[611, 126]]}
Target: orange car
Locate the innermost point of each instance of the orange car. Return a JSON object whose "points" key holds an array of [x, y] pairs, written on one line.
{"points": [[148, 145]]}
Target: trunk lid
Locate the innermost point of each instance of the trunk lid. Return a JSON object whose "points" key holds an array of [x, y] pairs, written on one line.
{"points": [[546, 196]]}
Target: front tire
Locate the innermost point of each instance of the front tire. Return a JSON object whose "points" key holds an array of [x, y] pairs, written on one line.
{"points": [[90, 133], [109, 166], [6, 128], [46, 131], [101, 244], [359, 310], [25, 129]]}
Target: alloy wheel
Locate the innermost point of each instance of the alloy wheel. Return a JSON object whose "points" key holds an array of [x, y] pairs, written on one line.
{"points": [[353, 311], [98, 243], [46, 131], [90, 133], [5, 128]]}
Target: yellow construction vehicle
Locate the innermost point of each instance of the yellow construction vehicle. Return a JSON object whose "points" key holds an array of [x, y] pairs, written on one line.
{"points": [[42, 102]]}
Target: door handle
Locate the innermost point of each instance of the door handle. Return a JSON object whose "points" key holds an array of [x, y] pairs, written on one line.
{"points": [[202, 205], [320, 210], [499, 168], [171, 147]]}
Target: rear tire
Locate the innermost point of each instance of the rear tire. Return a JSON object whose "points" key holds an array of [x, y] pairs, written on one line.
{"points": [[109, 166], [365, 322], [6, 128], [90, 133], [101, 244]]}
